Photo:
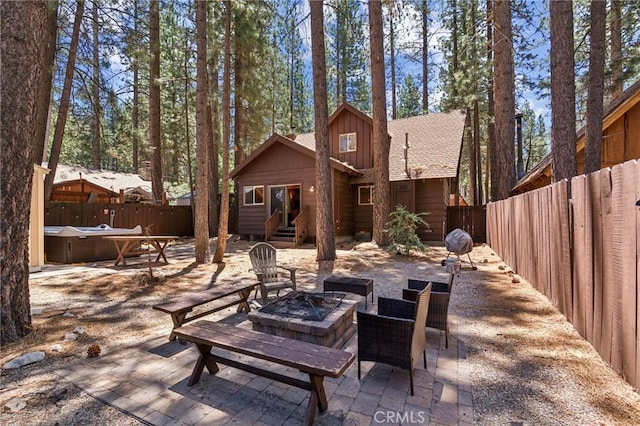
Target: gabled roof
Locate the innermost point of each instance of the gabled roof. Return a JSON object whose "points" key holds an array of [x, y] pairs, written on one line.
{"points": [[113, 181], [616, 108], [348, 107], [276, 138], [435, 142]]}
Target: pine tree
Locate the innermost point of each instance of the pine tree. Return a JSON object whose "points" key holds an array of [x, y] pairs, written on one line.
{"points": [[409, 99], [593, 145], [64, 101], [503, 172], [325, 233], [379, 134], [24, 34], [155, 140], [223, 223], [201, 212], [347, 62], [563, 113]]}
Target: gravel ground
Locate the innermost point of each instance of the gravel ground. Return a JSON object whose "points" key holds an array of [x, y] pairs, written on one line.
{"points": [[528, 365]]}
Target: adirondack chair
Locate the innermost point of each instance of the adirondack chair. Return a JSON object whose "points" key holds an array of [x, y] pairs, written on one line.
{"points": [[395, 336], [273, 277]]}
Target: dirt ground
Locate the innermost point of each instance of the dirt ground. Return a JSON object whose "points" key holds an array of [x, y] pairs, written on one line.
{"points": [[528, 365]]}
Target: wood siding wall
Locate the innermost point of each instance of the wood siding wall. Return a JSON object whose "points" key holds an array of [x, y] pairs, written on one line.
{"points": [[164, 220], [432, 196], [620, 141], [347, 122], [402, 193], [582, 254], [343, 205], [276, 166], [80, 191]]}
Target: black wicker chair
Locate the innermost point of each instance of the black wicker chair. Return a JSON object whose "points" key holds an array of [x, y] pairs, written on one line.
{"points": [[438, 303], [395, 336]]}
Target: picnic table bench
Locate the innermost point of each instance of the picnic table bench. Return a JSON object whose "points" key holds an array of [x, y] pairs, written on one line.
{"points": [[315, 360], [180, 307]]}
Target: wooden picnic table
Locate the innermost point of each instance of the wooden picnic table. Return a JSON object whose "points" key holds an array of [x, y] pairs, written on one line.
{"points": [[128, 245]]}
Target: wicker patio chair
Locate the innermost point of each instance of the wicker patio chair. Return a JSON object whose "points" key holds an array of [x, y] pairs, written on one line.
{"points": [[438, 303], [272, 277], [395, 336]]}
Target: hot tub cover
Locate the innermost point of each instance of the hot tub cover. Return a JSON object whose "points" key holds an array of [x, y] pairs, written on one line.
{"points": [[82, 231]]}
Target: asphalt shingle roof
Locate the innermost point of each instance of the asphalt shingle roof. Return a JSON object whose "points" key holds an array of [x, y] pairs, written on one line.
{"points": [[435, 141], [113, 181]]}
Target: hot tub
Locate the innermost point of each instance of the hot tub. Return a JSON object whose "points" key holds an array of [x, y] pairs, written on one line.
{"points": [[71, 244]]}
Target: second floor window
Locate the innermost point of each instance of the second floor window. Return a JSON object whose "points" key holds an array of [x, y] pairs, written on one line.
{"points": [[348, 142], [253, 195]]}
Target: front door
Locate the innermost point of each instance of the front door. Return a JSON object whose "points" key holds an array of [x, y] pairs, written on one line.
{"points": [[285, 199]]}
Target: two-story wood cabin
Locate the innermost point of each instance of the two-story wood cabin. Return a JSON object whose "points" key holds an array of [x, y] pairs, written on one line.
{"points": [[276, 183]]}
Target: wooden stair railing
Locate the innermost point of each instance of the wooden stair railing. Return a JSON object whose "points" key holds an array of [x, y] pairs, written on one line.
{"points": [[271, 225], [300, 223]]}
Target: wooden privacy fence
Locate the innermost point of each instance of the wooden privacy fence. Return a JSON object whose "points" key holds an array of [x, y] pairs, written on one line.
{"points": [[164, 220], [471, 219], [582, 253]]}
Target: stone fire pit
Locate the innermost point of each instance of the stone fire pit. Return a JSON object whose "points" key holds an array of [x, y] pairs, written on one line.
{"points": [[317, 318]]}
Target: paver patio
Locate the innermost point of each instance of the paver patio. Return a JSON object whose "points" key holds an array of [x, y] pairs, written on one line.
{"points": [[149, 381]]}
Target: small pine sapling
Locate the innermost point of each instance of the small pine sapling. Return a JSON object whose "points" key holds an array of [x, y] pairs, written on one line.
{"points": [[401, 228]]}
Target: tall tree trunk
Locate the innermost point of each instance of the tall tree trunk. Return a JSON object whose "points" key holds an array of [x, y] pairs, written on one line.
{"points": [[63, 109], [95, 89], [202, 134], [154, 101], [380, 135], [214, 138], [597, 52], [476, 143], [471, 137], [187, 137], [325, 234], [25, 36], [424, 9], [392, 60], [240, 122], [490, 157], [563, 89], [135, 112], [616, 49], [504, 179], [454, 41], [223, 224], [45, 104]]}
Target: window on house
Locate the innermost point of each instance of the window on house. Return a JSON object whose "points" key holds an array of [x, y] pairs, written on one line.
{"points": [[253, 195], [365, 195], [348, 142]]}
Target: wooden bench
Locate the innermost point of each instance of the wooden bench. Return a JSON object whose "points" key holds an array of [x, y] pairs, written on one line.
{"points": [[180, 307], [315, 360]]}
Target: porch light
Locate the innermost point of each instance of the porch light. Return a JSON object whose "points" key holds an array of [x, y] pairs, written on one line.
{"points": [[312, 188]]}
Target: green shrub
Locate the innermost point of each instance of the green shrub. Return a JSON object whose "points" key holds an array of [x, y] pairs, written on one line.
{"points": [[401, 228]]}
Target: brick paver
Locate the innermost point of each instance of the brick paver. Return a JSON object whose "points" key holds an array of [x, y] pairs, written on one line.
{"points": [[150, 382]]}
